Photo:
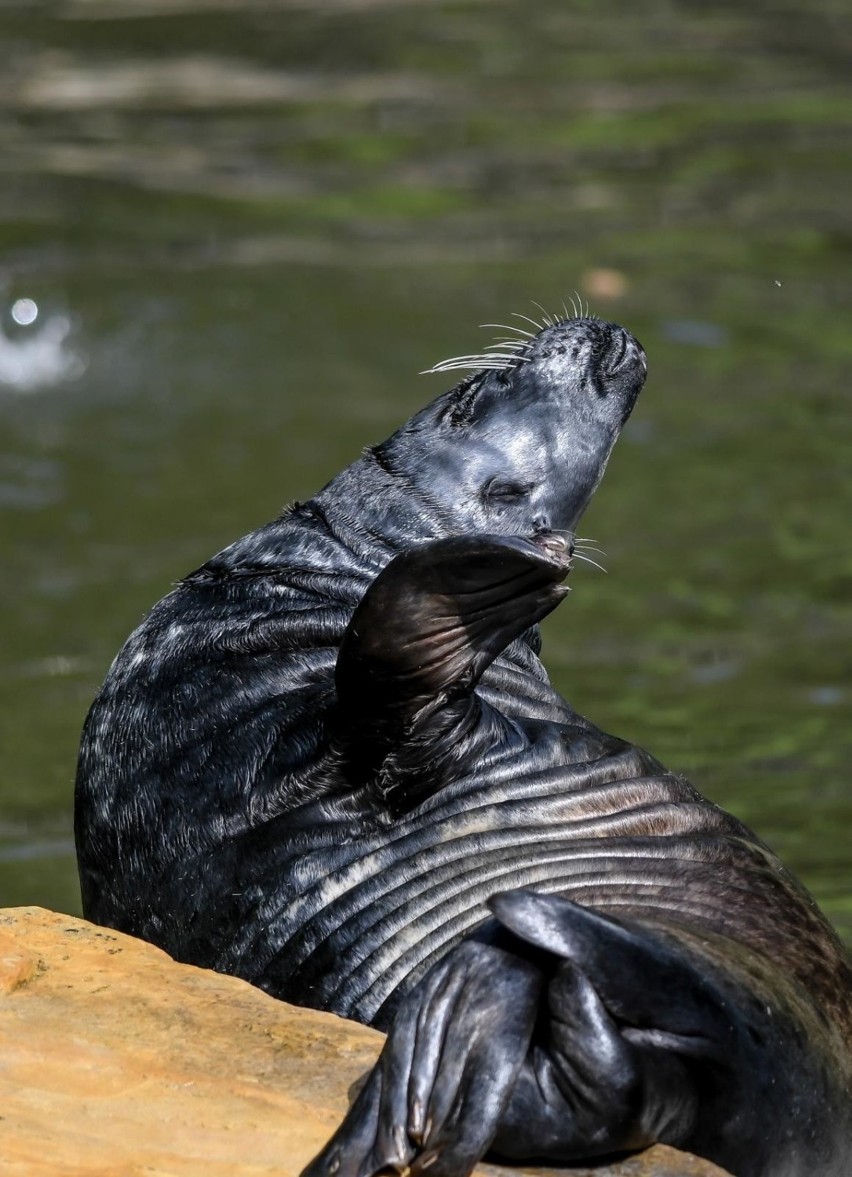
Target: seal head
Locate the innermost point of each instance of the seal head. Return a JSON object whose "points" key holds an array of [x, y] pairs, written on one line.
{"points": [[522, 447]]}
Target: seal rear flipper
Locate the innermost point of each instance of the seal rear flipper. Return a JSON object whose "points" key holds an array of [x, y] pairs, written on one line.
{"points": [[416, 646], [485, 1053], [657, 994], [636, 1045], [586, 1090], [434, 1100], [675, 1049]]}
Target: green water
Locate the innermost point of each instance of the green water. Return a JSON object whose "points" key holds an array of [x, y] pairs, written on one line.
{"points": [[262, 220]]}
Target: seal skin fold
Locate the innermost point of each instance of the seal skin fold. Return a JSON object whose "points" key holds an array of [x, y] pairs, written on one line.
{"points": [[331, 762]]}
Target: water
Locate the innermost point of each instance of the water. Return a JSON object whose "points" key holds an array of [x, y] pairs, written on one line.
{"points": [[247, 226]]}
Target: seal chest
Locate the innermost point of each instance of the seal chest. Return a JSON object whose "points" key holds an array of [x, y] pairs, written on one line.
{"points": [[332, 763]]}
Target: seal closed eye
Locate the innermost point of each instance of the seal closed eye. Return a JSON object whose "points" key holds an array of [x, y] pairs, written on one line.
{"points": [[331, 762]]}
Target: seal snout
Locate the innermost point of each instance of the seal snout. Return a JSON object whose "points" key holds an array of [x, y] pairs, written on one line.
{"points": [[604, 351]]}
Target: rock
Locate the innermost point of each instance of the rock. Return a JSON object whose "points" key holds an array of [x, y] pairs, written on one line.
{"points": [[116, 1062]]}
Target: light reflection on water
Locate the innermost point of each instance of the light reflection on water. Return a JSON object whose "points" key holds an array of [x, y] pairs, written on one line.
{"points": [[39, 356], [267, 219]]}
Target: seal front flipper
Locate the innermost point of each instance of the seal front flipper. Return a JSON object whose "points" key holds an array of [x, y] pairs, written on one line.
{"points": [[434, 1099], [417, 644]]}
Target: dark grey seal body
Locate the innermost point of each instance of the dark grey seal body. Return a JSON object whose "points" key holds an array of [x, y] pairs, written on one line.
{"points": [[331, 750]]}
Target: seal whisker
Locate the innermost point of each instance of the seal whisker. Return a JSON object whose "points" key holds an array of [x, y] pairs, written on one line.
{"points": [[495, 360], [473, 367], [588, 560], [537, 326], [590, 545], [510, 327], [547, 317], [500, 344], [498, 358]]}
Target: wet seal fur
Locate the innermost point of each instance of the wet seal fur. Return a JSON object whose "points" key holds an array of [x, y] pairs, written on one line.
{"points": [[331, 762]]}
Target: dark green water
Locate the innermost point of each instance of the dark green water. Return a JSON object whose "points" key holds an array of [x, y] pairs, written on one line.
{"points": [[262, 220]]}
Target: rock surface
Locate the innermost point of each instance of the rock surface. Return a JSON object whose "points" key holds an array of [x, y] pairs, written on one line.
{"points": [[117, 1062]]}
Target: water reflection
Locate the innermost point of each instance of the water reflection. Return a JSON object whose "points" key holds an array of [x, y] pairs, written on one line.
{"points": [[36, 355]]}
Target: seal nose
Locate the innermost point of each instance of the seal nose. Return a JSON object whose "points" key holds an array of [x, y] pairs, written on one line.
{"points": [[617, 351], [624, 352]]}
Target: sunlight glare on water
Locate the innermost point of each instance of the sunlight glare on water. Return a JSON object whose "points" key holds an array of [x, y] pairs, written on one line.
{"points": [[24, 311]]}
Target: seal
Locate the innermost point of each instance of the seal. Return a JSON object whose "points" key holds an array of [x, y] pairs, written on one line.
{"points": [[331, 762]]}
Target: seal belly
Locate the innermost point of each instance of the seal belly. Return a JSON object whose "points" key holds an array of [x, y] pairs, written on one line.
{"points": [[603, 833]]}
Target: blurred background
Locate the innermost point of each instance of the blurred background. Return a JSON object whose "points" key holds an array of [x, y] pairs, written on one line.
{"points": [[232, 232]]}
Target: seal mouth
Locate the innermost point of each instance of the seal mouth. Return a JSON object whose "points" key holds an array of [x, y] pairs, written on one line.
{"points": [[555, 550], [559, 548]]}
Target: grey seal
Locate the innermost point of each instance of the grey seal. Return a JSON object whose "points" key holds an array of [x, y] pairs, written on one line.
{"points": [[331, 762]]}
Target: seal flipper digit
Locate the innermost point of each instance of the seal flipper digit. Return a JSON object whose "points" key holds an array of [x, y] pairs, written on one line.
{"points": [[433, 1101], [423, 634]]}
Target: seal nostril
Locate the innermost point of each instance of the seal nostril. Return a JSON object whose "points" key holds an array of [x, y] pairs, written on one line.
{"points": [[620, 349]]}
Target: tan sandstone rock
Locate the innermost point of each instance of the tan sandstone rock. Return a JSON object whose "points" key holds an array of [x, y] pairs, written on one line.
{"points": [[117, 1062]]}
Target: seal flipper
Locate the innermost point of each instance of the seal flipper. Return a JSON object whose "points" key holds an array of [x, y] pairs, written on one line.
{"points": [[490, 1051], [434, 1100], [634, 1038], [420, 639], [643, 983]]}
